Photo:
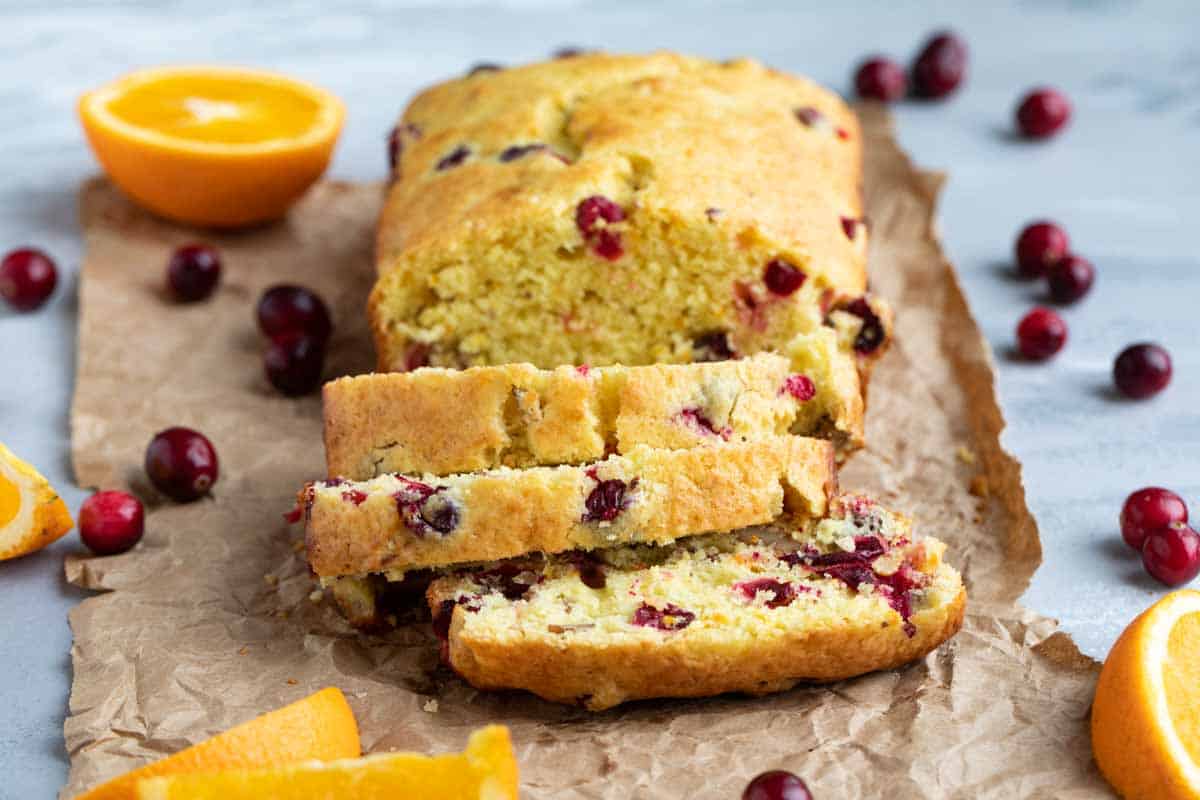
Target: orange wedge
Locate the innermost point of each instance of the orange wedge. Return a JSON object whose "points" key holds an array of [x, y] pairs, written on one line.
{"points": [[487, 770], [212, 146], [1146, 715], [32, 515], [319, 727]]}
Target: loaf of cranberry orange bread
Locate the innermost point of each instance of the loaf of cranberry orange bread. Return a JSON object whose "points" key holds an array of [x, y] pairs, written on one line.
{"points": [[441, 421], [394, 523], [756, 612], [605, 209]]}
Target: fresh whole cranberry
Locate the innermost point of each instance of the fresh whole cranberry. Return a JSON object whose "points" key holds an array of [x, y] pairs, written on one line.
{"points": [[1147, 510], [1040, 245], [293, 309], [940, 67], [1142, 370], [193, 272], [1043, 113], [776, 785], [1172, 554], [1041, 334], [111, 522], [1070, 279], [181, 463], [882, 79], [293, 363], [782, 278], [27, 278]]}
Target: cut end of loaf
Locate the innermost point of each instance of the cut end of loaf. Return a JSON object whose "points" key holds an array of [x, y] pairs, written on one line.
{"points": [[758, 611]]}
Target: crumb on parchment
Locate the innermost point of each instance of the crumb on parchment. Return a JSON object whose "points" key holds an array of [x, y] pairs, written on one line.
{"points": [[431, 706]]}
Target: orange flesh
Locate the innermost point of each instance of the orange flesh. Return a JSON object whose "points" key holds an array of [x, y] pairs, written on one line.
{"points": [[225, 110], [1181, 679], [10, 501]]}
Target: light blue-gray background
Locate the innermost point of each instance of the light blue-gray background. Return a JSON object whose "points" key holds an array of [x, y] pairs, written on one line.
{"points": [[1125, 180]]}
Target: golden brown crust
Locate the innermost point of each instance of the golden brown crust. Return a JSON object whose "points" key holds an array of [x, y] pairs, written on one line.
{"points": [[600, 677], [441, 422], [720, 169], [361, 528]]}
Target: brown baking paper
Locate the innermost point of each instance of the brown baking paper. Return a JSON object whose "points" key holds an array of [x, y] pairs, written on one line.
{"points": [[210, 621]]}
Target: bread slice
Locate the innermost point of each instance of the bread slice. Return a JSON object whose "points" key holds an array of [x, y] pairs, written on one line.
{"points": [[620, 209], [440, 421], [756, 612], [394, 524]]}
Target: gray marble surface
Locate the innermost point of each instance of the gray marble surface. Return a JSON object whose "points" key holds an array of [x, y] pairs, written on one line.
{"points": [[1125, 179]]}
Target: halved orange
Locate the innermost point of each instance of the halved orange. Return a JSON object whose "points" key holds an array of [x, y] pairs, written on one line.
{"points": [[487, 770], [1146, 715], [212, 146], [319, 727], [32, 515]]}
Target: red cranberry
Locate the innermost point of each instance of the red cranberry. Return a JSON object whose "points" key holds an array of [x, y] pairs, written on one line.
{"points": [[1172, 554], [293, 309], [800, 387], [193, 272], [712, 346], [700, 421], [605, 501], [111, 522], [1043, 113], [181, 463], [396, 141], [27, 278], [1150, 509], [871, 334], [1070, 279], [1039, 246], [608, 245], [519, 151], [776, 785], [808, 116], [782, 278], [592, 216], [1041, 334], [454, 158], [595, 210], [294, 362], [781, 593], [671, 618], [880, 79], [1142, 370], [850, 227], [940, 67]]}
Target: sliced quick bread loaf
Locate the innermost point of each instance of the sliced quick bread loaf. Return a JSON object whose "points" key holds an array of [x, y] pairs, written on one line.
{"points": [[395, 523], [756, 612], [440, 421]]}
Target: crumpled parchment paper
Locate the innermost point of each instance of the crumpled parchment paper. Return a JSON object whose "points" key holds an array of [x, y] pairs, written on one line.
{"points": [[210, 621]]}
